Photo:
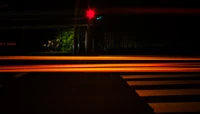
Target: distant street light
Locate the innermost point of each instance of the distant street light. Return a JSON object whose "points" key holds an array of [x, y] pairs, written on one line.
{"points": [[99, 18]]}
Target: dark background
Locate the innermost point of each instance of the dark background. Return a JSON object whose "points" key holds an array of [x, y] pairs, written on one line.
{"points": [[174, 30], [70, 4]]}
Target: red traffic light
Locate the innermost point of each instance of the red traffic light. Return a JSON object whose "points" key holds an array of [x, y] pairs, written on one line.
{"points": [[90, 13]]}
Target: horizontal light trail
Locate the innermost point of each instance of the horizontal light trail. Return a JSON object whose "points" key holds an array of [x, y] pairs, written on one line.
{"points": [[101, 65], [113, 70], [168, 92], [159, 76], [175, 107], [95, 58], [170, 82]]}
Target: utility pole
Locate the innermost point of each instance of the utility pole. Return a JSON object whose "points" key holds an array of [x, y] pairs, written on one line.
{"points": [[75, 27]]}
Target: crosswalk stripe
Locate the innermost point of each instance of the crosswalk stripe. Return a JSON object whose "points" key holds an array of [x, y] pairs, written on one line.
{"points": [[175, 107], [157, 76], [168, 82], [164, 101], [168, 92]]}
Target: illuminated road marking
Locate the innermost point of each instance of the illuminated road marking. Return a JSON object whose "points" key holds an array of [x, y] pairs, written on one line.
{"points": [[170, 82], [159, 76], [175, 107], [168, 92], [170, 107]]}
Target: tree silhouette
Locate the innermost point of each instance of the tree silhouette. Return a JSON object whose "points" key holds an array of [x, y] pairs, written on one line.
{"points": [[64, 40]]}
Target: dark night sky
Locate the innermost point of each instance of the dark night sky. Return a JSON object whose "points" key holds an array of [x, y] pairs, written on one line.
{"points": [[145, 27], [39, 4], [69, 4]]}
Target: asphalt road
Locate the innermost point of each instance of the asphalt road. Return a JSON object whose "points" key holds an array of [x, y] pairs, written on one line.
{"points": [[90, 84], [59, 93], [100, 93]]}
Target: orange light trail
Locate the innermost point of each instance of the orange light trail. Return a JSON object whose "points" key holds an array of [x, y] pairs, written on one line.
{"points": [[102, 65], [113, 70], [96, 58]]}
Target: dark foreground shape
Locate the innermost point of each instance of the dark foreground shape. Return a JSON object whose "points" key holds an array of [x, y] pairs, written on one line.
{"points": [[64, 93]]}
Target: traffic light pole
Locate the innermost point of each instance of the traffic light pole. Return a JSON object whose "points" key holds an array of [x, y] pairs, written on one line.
{"points": [[89, 38]]}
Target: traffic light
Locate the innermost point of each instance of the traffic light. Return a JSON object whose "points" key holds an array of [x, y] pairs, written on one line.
{"points": [[99, 18], [90, 13]]}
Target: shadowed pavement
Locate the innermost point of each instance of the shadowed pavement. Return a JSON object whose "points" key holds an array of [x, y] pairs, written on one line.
{"points": [[59, 93]]}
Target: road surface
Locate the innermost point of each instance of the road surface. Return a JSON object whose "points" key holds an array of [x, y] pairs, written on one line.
{"points": [[167, 84], [61, 93]]}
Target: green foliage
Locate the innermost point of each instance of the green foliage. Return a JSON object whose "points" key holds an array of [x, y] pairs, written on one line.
{"points": [[65, 40]]}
